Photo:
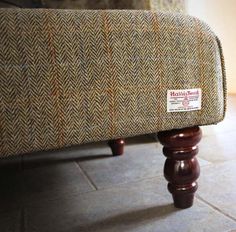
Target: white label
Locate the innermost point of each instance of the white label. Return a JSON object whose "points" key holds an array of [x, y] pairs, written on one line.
{"points": [[180, 100]]}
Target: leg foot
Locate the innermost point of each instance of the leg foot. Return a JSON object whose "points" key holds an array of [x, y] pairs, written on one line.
{"points": [[117, 146], [181, 168]]}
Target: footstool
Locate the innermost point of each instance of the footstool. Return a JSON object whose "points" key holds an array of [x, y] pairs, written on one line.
{"points": [[76, 76]]}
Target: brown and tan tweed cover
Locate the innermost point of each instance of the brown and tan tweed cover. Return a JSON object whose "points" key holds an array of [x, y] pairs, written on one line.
{"points": [[70, 77]]}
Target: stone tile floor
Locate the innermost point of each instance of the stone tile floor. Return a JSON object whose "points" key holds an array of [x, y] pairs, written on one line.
{"points": [[84, 188]]}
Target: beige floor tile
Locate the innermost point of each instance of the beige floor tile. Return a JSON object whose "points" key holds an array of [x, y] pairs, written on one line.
{"points": [[141, 207], [217, 186], [54, 181], [218, 148]]}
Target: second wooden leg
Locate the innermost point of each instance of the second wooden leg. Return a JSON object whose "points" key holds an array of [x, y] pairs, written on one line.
{"points": [[117, 146]]}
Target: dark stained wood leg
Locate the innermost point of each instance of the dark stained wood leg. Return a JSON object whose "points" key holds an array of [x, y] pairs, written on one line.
{"points": [[181, 168], [117, 146]]}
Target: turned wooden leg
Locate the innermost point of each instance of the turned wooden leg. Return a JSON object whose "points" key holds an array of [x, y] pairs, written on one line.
{"points": [[117, 146], [181, 168]]}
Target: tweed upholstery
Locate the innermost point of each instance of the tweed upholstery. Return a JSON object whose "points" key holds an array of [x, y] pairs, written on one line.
{"points": [[70, 77]]}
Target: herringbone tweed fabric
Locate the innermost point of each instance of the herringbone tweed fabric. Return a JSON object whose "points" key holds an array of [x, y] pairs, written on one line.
{"points": [[71, 77]]}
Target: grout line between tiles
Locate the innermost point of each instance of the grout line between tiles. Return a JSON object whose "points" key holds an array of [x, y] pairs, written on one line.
{"points": [[84, 173], [215, 208], [112, 186], [124, 184]]}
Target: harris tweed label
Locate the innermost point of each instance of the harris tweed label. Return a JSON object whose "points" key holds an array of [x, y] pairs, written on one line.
{"points": [[180, 100]]}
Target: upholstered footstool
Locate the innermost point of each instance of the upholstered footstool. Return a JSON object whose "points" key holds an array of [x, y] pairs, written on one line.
{"points": [[71, 77]]}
